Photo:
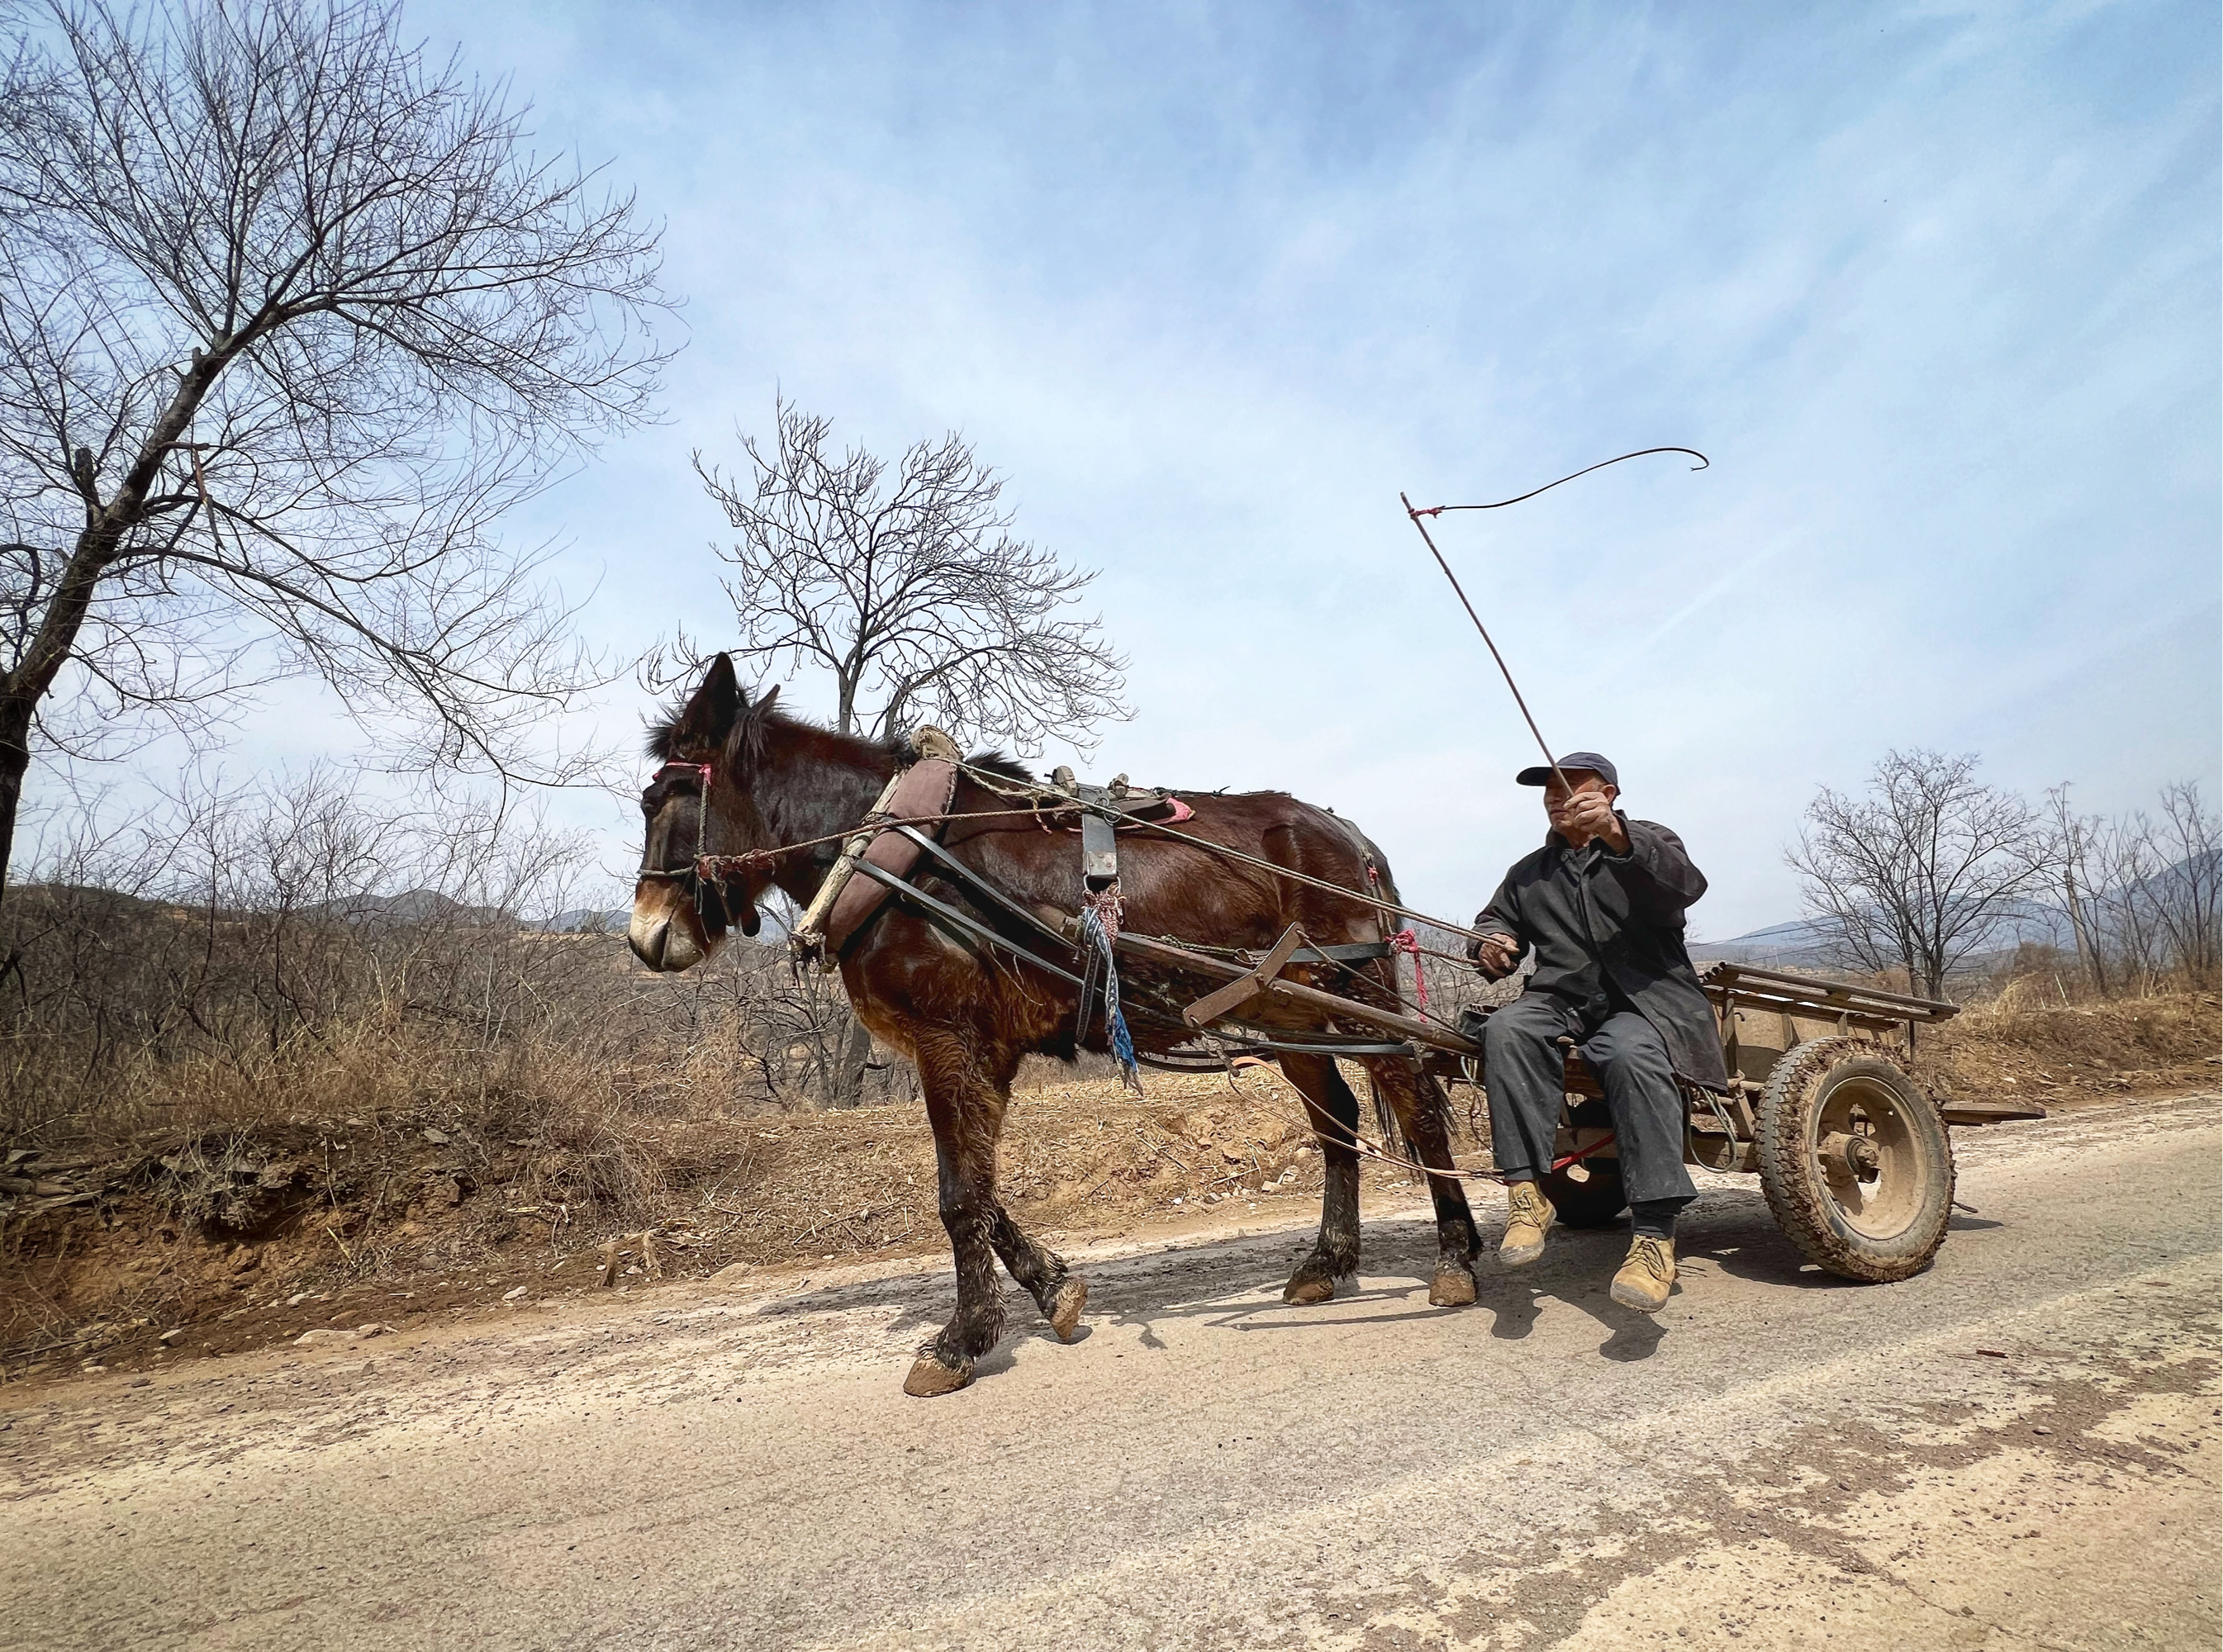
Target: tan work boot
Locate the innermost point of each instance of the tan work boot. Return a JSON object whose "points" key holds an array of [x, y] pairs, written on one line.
{"points": [[1647, 1276], [1528, 1219]]}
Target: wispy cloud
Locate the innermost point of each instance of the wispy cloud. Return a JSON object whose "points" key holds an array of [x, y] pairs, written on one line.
{"points": [[1936, 288]]}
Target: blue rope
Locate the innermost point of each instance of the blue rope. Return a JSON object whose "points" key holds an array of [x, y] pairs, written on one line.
{"points": [[1115, 1023]]}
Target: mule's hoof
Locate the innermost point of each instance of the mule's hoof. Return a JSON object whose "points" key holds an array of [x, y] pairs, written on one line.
{"points": [[1452, 1288], [1305, 1289], [1065, 1308], [929, 1378]]}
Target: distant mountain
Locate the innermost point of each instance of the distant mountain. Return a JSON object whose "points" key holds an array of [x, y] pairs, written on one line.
{"points": [[411, 907], [1801, 942], [584, 920]]}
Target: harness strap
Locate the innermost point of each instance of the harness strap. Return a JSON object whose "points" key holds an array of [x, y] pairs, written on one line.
{"points": [[972, 880], [1004, 787], [927, 787], [964, 921], [1357, 952]]}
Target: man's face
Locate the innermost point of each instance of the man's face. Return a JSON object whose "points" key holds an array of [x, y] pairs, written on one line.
{"points": [[1579, 783]]}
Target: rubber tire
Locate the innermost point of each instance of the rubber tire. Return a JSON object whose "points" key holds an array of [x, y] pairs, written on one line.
{"points": [[1598, 1202], [1798, 1090]]}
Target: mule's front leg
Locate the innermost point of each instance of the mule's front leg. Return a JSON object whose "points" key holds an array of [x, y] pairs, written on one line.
{"points": [[1423, 1113], [966, 1118], [1059, 1293], [946, 1364], [1334, 1111]]}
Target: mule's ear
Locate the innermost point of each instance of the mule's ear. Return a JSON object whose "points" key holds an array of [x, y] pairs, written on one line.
{"points": [[711, 713], [764, 700]]}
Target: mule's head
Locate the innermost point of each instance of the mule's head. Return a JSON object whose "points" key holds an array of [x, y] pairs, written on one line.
{"points": [[699, 802]]}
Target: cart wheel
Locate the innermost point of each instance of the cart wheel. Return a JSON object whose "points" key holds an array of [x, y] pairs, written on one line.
{"points": [[1854, 1160], [1597, 1203]]}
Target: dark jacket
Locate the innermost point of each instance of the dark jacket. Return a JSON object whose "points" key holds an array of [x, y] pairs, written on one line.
{"points": [[1607, 931]]}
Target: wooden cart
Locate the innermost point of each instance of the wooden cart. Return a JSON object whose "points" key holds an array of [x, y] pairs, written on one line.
{"points": [[1854, 1156]]}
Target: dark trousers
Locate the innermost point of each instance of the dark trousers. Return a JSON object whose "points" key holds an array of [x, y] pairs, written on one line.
{"points": [[1524, 1071]]}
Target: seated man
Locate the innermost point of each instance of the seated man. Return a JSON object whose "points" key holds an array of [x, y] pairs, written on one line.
{"points": [[1602, 906]]}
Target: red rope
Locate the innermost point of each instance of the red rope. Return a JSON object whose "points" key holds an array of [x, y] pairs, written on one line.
{"points": [[1408, 941], [1562, 1163]]}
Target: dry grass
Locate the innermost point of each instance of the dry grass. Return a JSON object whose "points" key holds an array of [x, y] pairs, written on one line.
{"points": [[2028, 1042]]}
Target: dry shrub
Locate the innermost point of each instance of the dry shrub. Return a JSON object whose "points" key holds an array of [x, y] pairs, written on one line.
{"points": [[2020, 1043], [287, 953]]}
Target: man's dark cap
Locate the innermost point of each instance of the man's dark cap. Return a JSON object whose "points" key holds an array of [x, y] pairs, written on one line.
{"points": [[1590, 760]]}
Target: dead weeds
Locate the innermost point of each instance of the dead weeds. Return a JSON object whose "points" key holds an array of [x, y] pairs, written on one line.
{"points": [[2021, 1046], [413, 1210]]}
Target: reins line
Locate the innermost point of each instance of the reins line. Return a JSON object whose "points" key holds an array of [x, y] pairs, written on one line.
{"points": [[713, 865], [1002, 788]]}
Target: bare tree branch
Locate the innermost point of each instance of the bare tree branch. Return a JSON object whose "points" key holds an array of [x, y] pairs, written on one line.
{"points": [[289, 316], [911, 590], [2191, 894], [2071, 839], [1926, 870]]}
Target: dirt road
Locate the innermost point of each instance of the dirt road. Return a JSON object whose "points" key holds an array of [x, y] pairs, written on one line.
{"points": [[2019, 1448]]}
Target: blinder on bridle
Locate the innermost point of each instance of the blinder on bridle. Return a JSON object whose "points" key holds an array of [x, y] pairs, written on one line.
{"points": [[707, 894]]}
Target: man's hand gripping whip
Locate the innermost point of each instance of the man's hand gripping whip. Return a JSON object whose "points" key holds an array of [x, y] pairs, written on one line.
{"points": [[1416, 514]]}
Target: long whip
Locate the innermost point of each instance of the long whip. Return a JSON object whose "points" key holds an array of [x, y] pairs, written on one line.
{"points": [[1417, 513]]}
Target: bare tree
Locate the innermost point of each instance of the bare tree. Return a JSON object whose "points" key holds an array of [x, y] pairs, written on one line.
{"points": [[2069, 842], [911, 590], [288, 314], [2128, 870], [2141, 895], [2191, 839], [1929, 867]]}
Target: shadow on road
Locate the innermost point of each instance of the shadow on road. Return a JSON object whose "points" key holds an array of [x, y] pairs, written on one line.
{"points": [[1234, 1284]]}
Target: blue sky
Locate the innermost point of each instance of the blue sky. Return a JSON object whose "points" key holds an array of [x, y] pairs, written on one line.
{"points": [[1937, 287]]}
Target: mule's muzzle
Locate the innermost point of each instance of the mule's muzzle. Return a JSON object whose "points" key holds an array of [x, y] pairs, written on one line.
{"points": [[666, 932]]}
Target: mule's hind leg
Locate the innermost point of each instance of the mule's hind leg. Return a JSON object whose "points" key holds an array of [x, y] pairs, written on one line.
{"points": [[1423, 1113], [1334, 1113], [1059, 1293]]}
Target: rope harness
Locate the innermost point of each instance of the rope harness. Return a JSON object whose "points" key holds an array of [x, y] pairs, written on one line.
{"points": [[701, 886], [703, 772], [1099, 926]]}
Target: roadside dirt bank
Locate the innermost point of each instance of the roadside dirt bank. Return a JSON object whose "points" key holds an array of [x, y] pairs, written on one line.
{"points": [[352, 1228]]}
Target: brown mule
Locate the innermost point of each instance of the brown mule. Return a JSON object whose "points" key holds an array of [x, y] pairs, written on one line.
{"points": [[966, 1013]]}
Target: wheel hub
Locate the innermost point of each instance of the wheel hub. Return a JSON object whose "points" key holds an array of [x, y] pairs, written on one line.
{"points": [[1864, 1149]]}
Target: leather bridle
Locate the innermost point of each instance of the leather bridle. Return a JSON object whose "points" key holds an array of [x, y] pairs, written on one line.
{"points": [[687, 873]]}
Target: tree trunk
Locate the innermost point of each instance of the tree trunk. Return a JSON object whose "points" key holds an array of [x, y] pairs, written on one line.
{"points": [[15, 763], [2088, 945], [849, 1072]]}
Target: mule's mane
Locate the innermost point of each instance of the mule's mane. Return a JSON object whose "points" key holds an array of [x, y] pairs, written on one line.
{"points": [[756, 729], [658, 741], [661, 730], [997, 763]]}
